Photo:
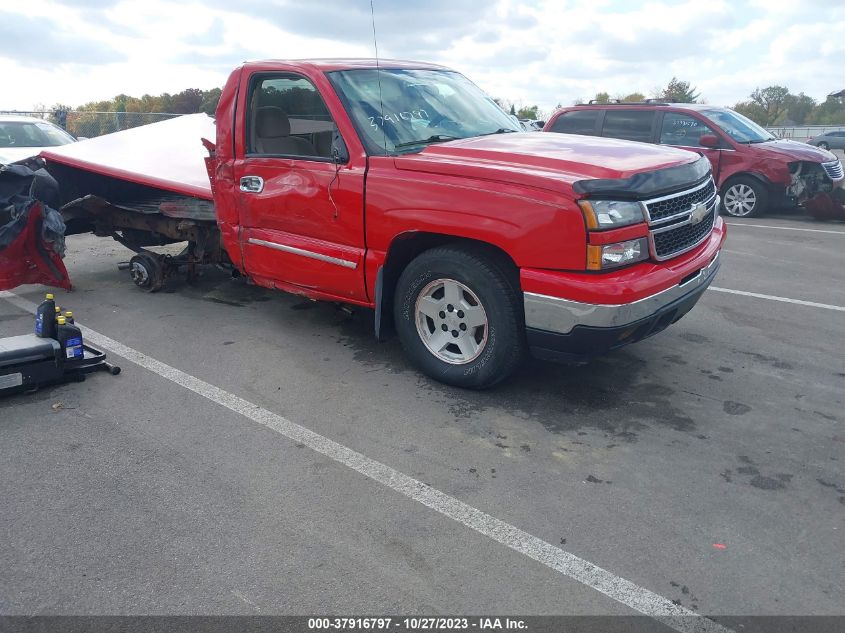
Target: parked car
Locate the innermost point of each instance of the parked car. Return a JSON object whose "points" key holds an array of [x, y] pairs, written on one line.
{"points": [[23, 137], [532, 125], [829, 140], [753, 169]]}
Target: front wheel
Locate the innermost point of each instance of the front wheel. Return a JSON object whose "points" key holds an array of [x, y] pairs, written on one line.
{"points": [[823, 146], [459, 316], [744, 197]]}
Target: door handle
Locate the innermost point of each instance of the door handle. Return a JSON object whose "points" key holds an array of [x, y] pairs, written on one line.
{"points": [[252, 184]]}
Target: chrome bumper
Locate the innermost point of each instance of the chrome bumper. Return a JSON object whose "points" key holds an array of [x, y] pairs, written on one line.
{"points": [[553, 314]]}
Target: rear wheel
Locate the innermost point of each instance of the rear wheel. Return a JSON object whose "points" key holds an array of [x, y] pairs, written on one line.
{"points": [[146, 271], [744, 197], [459, 315]]}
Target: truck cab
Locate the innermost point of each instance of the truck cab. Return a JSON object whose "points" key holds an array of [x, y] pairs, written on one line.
{"points": [[402, 187]]}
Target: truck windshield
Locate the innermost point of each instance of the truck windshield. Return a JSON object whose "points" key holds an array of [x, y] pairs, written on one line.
{"points": [[738, 127], [401, 111]]}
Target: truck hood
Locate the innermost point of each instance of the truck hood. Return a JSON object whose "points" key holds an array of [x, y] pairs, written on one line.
{"points": [[795, 151], [542, 159]]}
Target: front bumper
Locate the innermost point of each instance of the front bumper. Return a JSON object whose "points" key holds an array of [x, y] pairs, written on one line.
{"points": [[571, 331]]}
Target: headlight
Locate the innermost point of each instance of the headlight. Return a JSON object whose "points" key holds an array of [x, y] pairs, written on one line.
{"points": [[609, 214], [618, 254]]}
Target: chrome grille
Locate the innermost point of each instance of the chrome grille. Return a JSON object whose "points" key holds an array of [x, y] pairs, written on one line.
{"points": [[833, 169], [678, 223], [676, 240], [667, 207]]}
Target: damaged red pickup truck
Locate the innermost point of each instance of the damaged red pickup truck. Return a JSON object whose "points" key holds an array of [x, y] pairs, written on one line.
{"points": [[405, 189]]}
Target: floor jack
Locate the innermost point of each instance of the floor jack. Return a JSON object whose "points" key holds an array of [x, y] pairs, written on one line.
{"points": [[28, 362]]}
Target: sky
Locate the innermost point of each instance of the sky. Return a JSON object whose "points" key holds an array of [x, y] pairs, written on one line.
{"points": [[543, 52]]}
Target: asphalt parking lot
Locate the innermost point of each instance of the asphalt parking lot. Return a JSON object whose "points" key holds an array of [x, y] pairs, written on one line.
{"points": [[703, 466]]}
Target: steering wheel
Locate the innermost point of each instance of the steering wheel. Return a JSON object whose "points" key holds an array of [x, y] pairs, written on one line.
{"points": [[444, 122]]}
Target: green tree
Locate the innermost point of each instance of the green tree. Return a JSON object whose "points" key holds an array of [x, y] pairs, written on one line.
{"points": [[209, 100], [678, 91], [527, 112], [831, 111], [799, 107], [188, 101], [602, 97], [752, 110], [773, 101], [634, 97]]}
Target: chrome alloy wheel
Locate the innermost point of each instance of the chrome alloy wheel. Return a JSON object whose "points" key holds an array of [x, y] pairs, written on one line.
{"points": [[451, 321], [740, 200]]}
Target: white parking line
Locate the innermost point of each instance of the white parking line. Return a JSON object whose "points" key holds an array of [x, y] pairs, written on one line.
{"points": [[563, 562], [784, 228], [758, 295]]}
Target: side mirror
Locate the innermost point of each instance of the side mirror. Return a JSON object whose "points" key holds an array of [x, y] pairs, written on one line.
{"points": [[340, 154], [709, 140]]}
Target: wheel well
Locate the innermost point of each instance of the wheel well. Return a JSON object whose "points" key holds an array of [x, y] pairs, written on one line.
{"points": [[405, 248], [747, 174]]}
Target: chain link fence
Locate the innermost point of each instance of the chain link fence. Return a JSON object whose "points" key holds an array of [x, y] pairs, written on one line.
{"points": [[83, 124], [802, 132]]}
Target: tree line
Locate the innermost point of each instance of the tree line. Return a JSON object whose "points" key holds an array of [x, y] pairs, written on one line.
{"points": [[770, 106]]}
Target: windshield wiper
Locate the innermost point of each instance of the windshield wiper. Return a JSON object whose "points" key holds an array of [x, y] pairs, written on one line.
{"points": [[434, 138], [501, 130]]}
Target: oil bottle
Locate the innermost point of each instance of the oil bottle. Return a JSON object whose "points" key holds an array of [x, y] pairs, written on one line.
{"points": [[70, 338], [45, 318], [69, 317]]}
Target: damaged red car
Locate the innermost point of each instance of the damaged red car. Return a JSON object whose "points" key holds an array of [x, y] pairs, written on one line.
{"points": [[755, 171]]}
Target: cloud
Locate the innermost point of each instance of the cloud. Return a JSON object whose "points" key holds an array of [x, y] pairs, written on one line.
{"points": [[41, 42], [530, 51]]}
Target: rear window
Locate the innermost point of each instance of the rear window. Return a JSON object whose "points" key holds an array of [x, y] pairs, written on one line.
{"points": [[576, 122], [631, 125]]}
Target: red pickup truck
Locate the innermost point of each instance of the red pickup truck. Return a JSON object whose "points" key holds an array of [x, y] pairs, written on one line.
{"points": [[403, 188]]}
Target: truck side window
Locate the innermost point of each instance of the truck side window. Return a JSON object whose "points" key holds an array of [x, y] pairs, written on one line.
{"points": [[683, 130], [576, 122], [631, 125], [287, 117]]}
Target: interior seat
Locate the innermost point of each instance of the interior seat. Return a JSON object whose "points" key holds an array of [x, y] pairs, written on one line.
{"points": [[272, 134]]}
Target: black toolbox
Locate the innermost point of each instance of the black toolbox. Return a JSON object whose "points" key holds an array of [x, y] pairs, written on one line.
{"points": [[28, 362]]}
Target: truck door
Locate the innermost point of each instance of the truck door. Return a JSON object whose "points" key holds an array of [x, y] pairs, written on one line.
{"points": [[685, 131], [300, 195]]}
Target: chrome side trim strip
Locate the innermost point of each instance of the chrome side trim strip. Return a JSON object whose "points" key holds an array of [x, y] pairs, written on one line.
{"points": [[554, 314], [310, 254]]}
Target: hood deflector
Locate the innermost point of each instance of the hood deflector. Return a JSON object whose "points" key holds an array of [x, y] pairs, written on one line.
{"points": [[648, 183]]}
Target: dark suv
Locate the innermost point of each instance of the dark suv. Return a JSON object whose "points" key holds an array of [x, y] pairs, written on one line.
{"points": [[752, 168]]}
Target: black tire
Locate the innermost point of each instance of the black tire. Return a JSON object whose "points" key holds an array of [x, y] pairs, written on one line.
{"points": [[740, 192], [486, 280], [823, 145], [146, 272]]}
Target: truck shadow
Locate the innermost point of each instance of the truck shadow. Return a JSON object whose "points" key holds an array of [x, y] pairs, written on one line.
{"points": [[613, 393], [618, 394]]}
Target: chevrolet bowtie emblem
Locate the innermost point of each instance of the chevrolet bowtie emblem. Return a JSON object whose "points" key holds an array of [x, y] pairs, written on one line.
{"points": [[699, 211]]}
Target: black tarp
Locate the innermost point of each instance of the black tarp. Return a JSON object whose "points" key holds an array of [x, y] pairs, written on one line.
{"points": [[32, 232]]}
